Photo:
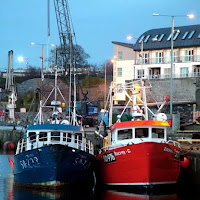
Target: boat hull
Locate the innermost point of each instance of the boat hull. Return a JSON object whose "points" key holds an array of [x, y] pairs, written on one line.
{"points": [[143, 164], [53, 166]]}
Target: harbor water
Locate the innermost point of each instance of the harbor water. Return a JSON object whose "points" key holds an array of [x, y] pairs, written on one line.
{"points": [[9, 192]]}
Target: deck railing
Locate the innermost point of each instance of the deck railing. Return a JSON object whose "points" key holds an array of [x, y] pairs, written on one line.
{"points": [[30, 143]]}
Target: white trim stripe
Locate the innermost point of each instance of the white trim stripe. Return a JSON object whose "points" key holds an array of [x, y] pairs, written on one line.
{"points": [[154, 183]]}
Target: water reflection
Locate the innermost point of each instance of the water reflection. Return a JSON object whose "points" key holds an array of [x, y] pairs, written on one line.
{"points": [[8, 192], [20, 194], [115, 195]]}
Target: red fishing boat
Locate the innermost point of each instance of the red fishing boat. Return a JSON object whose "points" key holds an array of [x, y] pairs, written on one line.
{"points": [[137, 152]]}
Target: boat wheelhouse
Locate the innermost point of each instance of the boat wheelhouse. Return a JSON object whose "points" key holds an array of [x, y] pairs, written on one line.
{"points": [[50, 134]]}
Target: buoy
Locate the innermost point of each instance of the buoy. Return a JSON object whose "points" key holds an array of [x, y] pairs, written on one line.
{"points": [[185, 163], [8, 146]]}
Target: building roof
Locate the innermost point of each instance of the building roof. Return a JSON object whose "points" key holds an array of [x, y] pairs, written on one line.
{"points": [[184, 36], [129, 45]]}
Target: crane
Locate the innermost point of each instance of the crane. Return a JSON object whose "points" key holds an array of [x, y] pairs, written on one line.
{"points": [[65, 27]]}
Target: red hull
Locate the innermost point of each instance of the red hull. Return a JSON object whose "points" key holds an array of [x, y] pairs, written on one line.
{"points": [[146, 163]]}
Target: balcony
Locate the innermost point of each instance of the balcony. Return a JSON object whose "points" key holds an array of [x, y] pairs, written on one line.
{"points": [[167, 60]]}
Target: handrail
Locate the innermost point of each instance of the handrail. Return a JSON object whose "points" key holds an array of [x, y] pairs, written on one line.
{"points": [[81, 144]]}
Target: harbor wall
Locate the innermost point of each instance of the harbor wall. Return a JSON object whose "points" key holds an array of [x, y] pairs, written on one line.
{"points": [[9, 135]]}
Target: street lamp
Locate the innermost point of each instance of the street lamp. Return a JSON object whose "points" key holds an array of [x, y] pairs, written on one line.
{"points": [[172, 43]]}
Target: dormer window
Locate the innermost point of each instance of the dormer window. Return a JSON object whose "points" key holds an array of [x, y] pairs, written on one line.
{"points": [[185, 35], [141, 39], [176, 35], [147, 38], [161, 37], [191, 34], [169, 38]]}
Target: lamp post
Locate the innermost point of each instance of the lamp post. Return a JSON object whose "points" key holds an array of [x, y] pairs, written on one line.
{"points": [[172, 44]]}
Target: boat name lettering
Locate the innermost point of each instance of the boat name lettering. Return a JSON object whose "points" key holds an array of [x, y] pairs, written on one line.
{"points": [[119, 153], [83, 162], [168, 150], [109, 157], [28, 162]]}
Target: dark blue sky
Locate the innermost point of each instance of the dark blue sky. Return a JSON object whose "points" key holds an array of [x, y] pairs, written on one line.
{"points": [[97, 23]]}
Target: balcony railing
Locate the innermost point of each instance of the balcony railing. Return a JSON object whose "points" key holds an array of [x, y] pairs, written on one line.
{"points": [[181, 75], [166, 60]]}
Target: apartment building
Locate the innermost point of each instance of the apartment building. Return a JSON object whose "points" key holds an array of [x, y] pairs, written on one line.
{"points": [[153, 60]]}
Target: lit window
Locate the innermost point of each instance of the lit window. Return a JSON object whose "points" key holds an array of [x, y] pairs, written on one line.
{"points": [[147, 38], [191, 34], [169, 38], [185, 35], [119, 72], [161, 37], [120, 55], [176, 35]]}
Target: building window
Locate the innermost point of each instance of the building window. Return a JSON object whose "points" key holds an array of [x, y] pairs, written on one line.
{"points": [[119, 88], [188, 55], [161, 37], [145, 58], [184, 72], [175, 56], [197, 71], [159, 57], [167, 72], [119, 72], [119, 55], [176, 35], [185, 35], [191, 34], [147, 38], [139, 73], [169, 38], [198, 36], [141, 39]]}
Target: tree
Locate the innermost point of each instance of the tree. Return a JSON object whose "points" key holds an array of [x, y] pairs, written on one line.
{"points": [[32, 72], [79, 53]]}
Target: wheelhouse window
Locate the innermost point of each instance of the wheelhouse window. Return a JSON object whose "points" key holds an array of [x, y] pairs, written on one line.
{"points": [[157, 133], [125, 134], [141, 132], [67, 137], [55, 136], [78, 138], [43, 136], [32, 136]]}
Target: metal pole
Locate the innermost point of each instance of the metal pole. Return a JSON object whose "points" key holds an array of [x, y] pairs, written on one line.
{"points": [[171, 77]]}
